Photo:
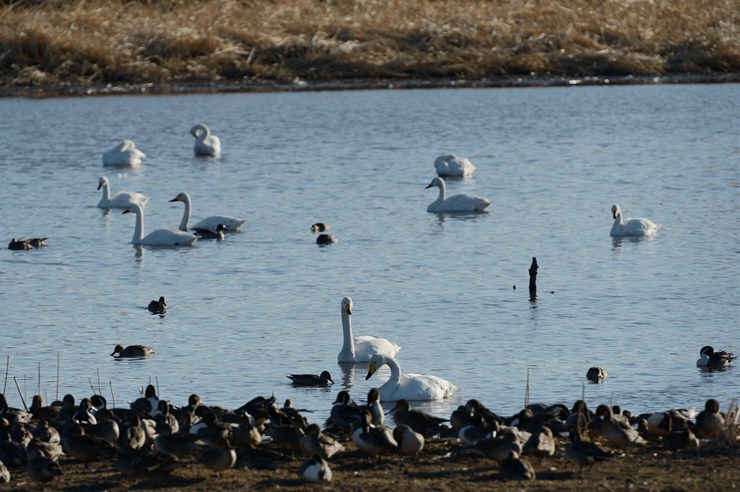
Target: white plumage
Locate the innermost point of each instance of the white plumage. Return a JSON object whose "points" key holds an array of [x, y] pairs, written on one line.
{"points": [[409, 386], [209, 223], [159, 237], [206, 144], [122, 199], [362, 348], [455, 203], [631, 227], [453, 166], [123, 154]]}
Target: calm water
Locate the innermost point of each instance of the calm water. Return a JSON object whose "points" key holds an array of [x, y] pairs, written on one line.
{"points": [[265, 303]]}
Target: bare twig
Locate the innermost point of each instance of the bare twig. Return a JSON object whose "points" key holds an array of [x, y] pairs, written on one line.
{"points": [[112, 394], [7, 368], [20, 393]]}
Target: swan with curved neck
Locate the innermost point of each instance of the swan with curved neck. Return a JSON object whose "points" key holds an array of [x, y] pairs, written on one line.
{"points": [[122, 199], [453, 166], [456, 203], [123, 154], [206, 144], [209, 223], [159, 237], [631, 227], [409, 386], [362, 348]]}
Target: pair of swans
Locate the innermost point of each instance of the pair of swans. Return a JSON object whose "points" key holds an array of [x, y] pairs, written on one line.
{"points": [[379, 352], [122, 199], [452, 166], [631, 227], [159, 237], [124, 154], [206, 144], [461, 203], [209, 225]]}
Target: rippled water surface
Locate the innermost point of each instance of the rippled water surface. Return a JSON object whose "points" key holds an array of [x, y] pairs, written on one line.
{"points": [[264, 303]]}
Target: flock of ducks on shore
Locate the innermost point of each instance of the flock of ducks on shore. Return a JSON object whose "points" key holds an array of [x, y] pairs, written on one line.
{"points": [[152, 436]]}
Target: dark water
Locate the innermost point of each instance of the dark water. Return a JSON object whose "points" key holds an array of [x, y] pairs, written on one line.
{"points": [[266, 302]]}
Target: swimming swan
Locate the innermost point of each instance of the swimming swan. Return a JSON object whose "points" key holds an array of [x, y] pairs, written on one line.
{"points": [[455, 203], [409, 386], [362, 348], [205, 143], [453, 166], [631, 227], [123, 154], [122, 199], [209, 223], [160, 237]]}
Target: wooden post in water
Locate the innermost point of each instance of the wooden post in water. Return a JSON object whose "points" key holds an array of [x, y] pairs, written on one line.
{"points": [[533, 279]]}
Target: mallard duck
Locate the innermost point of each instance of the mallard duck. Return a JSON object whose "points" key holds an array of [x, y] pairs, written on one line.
{"points": [[322, 379]]}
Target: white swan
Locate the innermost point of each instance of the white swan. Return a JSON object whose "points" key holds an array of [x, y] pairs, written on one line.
{"points": [[205, 143], [123, 154], [455, 203], [209, 223], [453, 166], [409, 386], [160, 237], [631, 227], [362, 348], [122, 199]]}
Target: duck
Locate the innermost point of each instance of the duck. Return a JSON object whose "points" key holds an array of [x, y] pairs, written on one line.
{"points": [[206, 144], [410, 442], [132, 351], [361, 348], [86, 447], [453, 166], [345, 414], [540, 444], [314, 469], [682, 439], [319, 227], [596, 374], [157, 306], [461, 203], [316, 443], [514, 467], [714, 360], [322, 379], [425, 424], [324, 239], [617, 433], [4, 473], [122, 199], [220, 456], [710, 423], [22, 244], [217, 233], [499, 446], [583, 452], [232, 224], [377, 415], [631, 227], [125, 154], [409, 386], [147, 404], [159, 237], [44, 470], [371, 439]]}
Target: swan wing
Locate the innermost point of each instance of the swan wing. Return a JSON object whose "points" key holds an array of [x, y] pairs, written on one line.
{"points": [[232, 223], [451, 165], [124, 199], [366, 346], [419, 387], [461, 203], [169, 237], [635, 227]]}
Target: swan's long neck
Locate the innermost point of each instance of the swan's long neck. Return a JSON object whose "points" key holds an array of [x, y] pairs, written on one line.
{"points": [[619, 219], [395, 378], [349, 343], [442, 191], [139, 228], [201, 132], [185, 214], [106, 191]]}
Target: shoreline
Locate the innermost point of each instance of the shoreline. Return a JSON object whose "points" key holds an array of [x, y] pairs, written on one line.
{"points": [[230, 87]]}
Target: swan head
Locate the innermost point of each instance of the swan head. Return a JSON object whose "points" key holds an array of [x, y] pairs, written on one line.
{"points": [[616, 211], [103, 181], [438, 182], [200, 127], [135, 208], [376, 362], [347, 305], [181, 197]]}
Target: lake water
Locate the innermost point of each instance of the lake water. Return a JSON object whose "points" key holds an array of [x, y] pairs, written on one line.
{"points": [[264, 303]]}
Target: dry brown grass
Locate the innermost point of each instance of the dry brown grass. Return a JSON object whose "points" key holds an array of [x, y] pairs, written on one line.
{"points": [[89, 42]]}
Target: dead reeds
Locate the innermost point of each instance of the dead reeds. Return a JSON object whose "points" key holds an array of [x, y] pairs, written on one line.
{"points": [[173, 41]]}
